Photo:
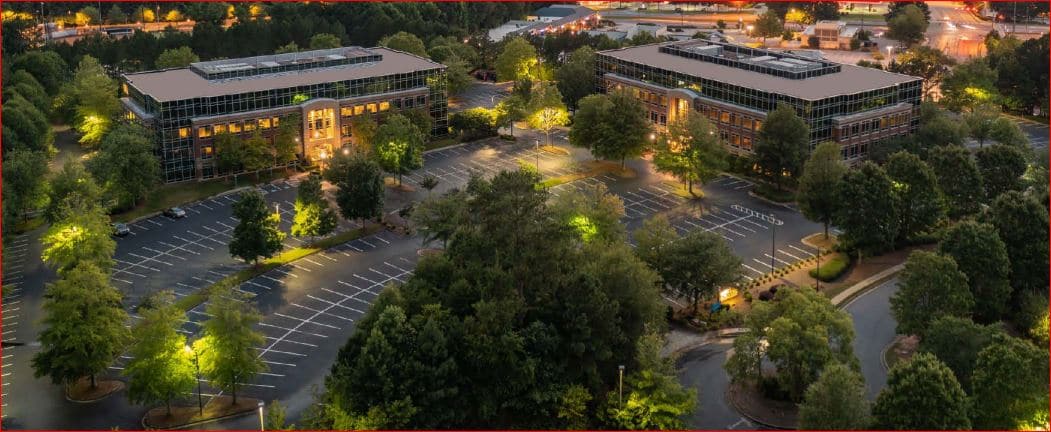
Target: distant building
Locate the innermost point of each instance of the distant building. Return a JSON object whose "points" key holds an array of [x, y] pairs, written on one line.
{"points": [[187, 107], [831, 34], [552, 18], [736, 86]]}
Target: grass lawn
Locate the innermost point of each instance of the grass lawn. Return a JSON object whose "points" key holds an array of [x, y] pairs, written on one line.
{"points": [[176, 194], [192, 300], [440, 143], [832, 269], [591, 169]]}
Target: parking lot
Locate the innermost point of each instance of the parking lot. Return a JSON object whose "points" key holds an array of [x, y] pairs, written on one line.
{"points": [[14, 262]]}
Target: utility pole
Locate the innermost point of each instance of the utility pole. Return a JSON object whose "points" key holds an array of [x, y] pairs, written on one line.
{"points": [[773, 238], [620, 385]]}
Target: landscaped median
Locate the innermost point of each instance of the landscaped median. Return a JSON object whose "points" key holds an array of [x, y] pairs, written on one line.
{"points": [[217, 408], [591, 169], [287, 256]]}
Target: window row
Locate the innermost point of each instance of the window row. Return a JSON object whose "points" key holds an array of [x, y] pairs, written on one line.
{"points": [[871, 125], [730, 118], [743, 142], [232, 127]]}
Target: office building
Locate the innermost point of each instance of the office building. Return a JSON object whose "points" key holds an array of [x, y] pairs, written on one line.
{"points": [[736, 86], [325, 89]]}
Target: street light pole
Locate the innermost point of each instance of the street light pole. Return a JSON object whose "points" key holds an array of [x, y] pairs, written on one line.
{"points": [[773, 243], [620, 385], [261, 425], [818, 268], [197, 365], [538, 155]]}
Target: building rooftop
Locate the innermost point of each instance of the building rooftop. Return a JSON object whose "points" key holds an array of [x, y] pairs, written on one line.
{"points": [[740, 70], [270, 72], [557, 11]]}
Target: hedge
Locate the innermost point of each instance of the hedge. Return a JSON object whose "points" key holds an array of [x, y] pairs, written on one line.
{"points": [[832, 269]]}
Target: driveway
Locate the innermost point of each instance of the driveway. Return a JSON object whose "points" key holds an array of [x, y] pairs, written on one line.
{"points": [[873, 331]]}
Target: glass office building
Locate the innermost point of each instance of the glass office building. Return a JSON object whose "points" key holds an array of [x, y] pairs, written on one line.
{"points": [[736, 86], [325, 89]]}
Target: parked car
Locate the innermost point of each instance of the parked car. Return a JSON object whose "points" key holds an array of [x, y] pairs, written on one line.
{"points": [[120, 229], [175, 213]]}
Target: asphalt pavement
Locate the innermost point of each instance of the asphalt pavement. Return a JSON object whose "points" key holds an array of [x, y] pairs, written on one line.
{"points": [[873, 332]]}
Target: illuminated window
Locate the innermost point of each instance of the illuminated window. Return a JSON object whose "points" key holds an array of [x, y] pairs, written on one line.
{"points": [[725, 118], [384, 106], [204, 132], [264, 123], [124, 88], [219, 128], [184, 132], [129, 115], [371, 107], [206, 152], [757, 125], [235, 127], [344, 130], [359, 109], [321, 123], [746, 143], [735, 140], [249, 126], [346, 111], [275, 121]]}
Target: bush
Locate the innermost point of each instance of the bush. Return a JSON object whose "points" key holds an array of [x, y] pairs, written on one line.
{"points": [[855, 44], [832, 269], [771, 193], [473, 124], [748, 296], [1031, 316]]}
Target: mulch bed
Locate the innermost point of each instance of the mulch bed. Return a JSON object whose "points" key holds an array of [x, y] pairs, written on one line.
{"points": [[183, 416], [81, 391]]}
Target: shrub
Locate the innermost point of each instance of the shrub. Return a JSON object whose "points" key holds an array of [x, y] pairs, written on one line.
{"points": [[855, 44], [832, 269], [473, 124]]}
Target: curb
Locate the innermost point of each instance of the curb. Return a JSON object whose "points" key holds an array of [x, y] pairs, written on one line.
{"points": [[844, 298], [220, 194], [196, 423], [733, 404], [883, 355], [768, 200], [65, 393]]}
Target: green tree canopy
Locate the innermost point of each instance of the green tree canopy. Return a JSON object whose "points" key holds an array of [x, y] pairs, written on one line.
{"points": [[958, 179], [83, 237], [46, 66], [1020, 220], [817, 186], [517, 60], [116, 16], [908, 25], [313, 215], [97, 104], [24, 187], [782, 144], [594, 213], [1010, 386], [227, 347], [803, 333], [406, 42], [398, 146], [956, 342], [698, 265], [920, 204], [922, 393], [970, 84], [691, 151], [612, 126], [836, 401], [546, 109], [868, 210], [982, 256], [980, 121], [71, 188], [83, 326], [923, 61], [25, 127], [769, 25], [161, 367], [176, 58], [328, 40], [360, 186], [576, 77], [1002, 167], [932, 286], [439, 218], [126, 165], [257, 234]]}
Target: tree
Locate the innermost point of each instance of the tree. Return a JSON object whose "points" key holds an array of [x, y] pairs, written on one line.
{"points": [[313, 215], [576, 77], [1020, 220], [439, 218], [126, 165], [835, 401], [768, 25], [908, 25], [1010, 385], [980, 121], [24, 188], [932, 286], [612, 128], [360, 186], [286, 143], [363, 130], [398, 146], [958, 179], [71, 188], [982, 256], [970, 84], [23, 84], [97, 104], [655, 401], [116, 16], [923, 61], [84, 327], [227, 347], [161, 368], [817, 186], [257, 234], [698, 265], [46, 66], [921, 393], [956, 342], [782, 144], [919, 201], [1002, 167], [176, 58], [456, 71], [594, 214], [653, 242], [328, 41], [257, 153], [25, 127], [896, 8], [868, 210], [275, 417], [1006, 131], [517, 60], [207, 12], [803, 334], [691, 151], [229, 153], [937, 129], [290, 47], [547, 110], [83, 237], [406, 42]]}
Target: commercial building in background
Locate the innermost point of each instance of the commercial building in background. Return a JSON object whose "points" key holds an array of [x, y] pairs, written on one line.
{"points": [[552, 18], [831, 34], [735, 87], [326, 89]]}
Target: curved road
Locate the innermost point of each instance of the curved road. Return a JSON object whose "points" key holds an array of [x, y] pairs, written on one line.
{"points": [[873, 330]]}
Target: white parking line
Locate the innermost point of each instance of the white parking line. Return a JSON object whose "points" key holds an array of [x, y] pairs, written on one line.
{"points": [[751, 268]]}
